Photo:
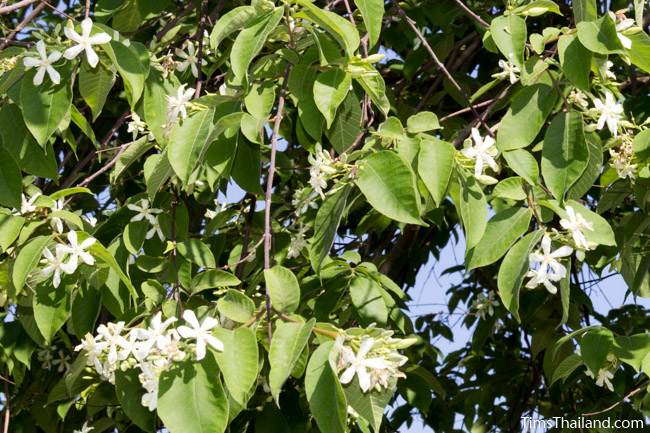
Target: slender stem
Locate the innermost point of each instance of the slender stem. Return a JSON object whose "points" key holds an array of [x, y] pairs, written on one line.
{"points": [[326, 332], [247, 234], [7, 408], [440, 65], [632, 393], [87, 12], [107, 166], [28, 19], [269, 191], [472, 14], [199, 36], [17, 5]]}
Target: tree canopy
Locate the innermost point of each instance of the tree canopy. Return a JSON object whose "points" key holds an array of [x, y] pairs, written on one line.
{"points": [[137, 291]]}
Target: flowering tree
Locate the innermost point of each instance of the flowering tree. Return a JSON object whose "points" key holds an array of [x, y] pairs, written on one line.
{"points": [[138, 292]]}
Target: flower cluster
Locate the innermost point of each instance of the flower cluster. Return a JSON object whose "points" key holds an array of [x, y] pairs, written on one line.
{"points": [[372, 356], [483, 151], [621, 159], [322, 167], [545, 268], [152, 350]]}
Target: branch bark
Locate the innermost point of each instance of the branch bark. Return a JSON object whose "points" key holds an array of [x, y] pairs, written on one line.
{"points": [[10, 8], [28, 19]]}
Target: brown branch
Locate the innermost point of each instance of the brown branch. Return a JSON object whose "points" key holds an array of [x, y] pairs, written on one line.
{"points": [[441, 67], [203, 5], [28, 19], [17, 5], [632, 393], [87, 11], [7, 408], [172, 23], [107, 166], [269, 191], [467, 110], [247, 234], [472, 14]]}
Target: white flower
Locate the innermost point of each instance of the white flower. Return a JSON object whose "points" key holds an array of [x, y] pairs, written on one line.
{"points": [[149, 380], [606, 70], [610, 113], [298, 243], [509, 70], [152, 336], [44, 64], [155, 230], [27, 205], [358, 364], [577, 224], [485, 305], [218, 208], [321, 166], [63, 362], [603, 379], [85, 42], [621, 26], [550, 269], [144, 211], [578, 98], [189, 59], [200, 332], [78, 250], [483, 153], [119, 347], [91, 220], [621, 160], [85, 428], [55, 264], [136, 126], [176, 105], [56, 222], [45, 357], [92, 347]]}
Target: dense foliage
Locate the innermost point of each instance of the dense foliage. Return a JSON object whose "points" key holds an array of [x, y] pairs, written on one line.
{"points": [[138, 292]]}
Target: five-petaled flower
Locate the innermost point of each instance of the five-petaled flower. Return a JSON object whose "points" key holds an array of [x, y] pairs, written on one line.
{"points": [[55, 264], [483, 152], [603, 378], [189, 60], [609, 112], [360, 365], [576, 224], [85, 42], [85, 428], [509, 71], [176, 105], [144, 211], [200, 332], [78, 250], [44, 64], [550, 270]]}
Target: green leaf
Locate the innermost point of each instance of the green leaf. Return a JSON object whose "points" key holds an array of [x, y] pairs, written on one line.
{"points": [[524, 164], [502, 231], [188, 142], [94, 86], [192, 399], [10, 227], [157, 170], [473, 210], [283, 288], [86, 304], [326, 224], [575, 60], [259, 101], [594, 347], [640, 52], [324, 392], [20, 143], [230, 22], [513, 269], [509, 35], [435, 165], [129, 393], [196, 252], [11, 180], [369, 405], [422, 122], [213, 279], [51, 309], [249, 42], [592, 171], [566, 367], [155, 104], [537, 8], [238, 362], [330, 89], [27, 260], [289, 340], [633, 349], [525, 117], [135, 150], [236, 306], [584, 10], [372, 12], [510, 188], [388, 183], [347, 124], [565, 153], [99, 251], [43, 107], [130, 65], [599, 36], [602, 232], [374, 85], [366, 296], [340, 28]]}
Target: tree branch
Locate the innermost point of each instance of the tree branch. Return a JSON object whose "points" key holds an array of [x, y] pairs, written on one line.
{"points": [[472, 14], [632, 393], [199, 36], [10, 8], [28, 19]]}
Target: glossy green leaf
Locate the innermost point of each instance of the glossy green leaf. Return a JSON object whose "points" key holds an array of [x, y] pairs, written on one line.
{"points": [[236, 306], [372, 12], [366, 296], [340, 28], [435, 165], [473, 210], [600, 36], [509, 35], [238, 362], [289, 341], [330, 89], [325, 226], [188, 142], [283, 288], [324, 392], [196, 252], [11, 180], [27, 260]]}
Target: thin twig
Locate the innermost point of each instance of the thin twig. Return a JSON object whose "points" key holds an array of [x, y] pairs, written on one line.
{"points": [[17, 5], [172, 23], [247, 234], [466, 110], [632, 393], [106, 166], [440, 65], [7, 408], [199, 36], [87, 12], [269, 191], [246, 257], [28, 19], [472, 14]]}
